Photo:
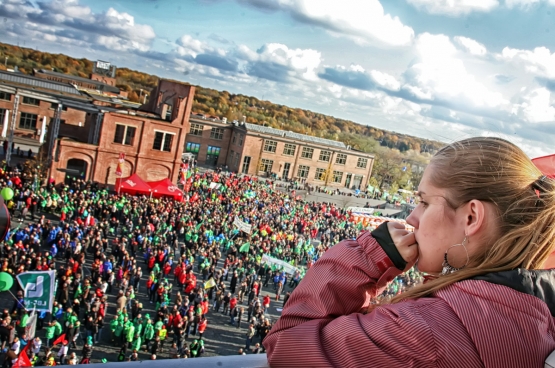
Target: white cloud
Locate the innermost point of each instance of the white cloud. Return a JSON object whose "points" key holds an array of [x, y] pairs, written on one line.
{"points": [[361, 20], [471, 46], [272, 61], [455, 7], [385, 80], [302, 61], [540, 61], [187, 45], [69, 20], [536, 106], [441, 76]]}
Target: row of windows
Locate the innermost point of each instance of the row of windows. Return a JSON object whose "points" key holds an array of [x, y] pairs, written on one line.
{"points": [[29, 101], [308, 153], [125, 134], [237, 139], [215, 133], [302, 172], [235, 158], [195, 148], [5, 96]]}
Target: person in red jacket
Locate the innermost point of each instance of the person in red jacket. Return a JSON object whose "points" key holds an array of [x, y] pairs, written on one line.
{"points": [[177, 273], [266, 302], [202, 326], [167, 269], [484, 229], [205, 304]]}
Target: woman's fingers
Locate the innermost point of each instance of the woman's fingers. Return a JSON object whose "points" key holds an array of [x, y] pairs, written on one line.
{"points": [[404, 241]]}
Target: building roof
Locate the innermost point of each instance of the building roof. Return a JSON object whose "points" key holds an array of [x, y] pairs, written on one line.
{"points": [[100, 86], [292, 135], [35, 82]]}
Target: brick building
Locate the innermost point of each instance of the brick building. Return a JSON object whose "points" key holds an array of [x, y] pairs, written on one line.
{"points": [[259, 150], [36, 106], [151, 138], [82, 133]]}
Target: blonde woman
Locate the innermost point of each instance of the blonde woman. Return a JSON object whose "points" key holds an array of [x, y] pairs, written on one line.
{"points": [[484, 227]]}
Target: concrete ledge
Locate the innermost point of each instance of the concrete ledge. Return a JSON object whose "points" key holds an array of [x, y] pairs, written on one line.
{"points": [[230, 361]]}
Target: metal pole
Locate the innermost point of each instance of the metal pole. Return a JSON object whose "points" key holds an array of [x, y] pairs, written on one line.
{"points": [[12, 129]]}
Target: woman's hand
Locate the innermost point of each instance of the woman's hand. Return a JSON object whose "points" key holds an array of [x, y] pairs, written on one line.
{"points": [[405, 242]]}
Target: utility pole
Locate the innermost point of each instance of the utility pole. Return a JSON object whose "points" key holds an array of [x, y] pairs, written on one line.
{"points": [[12, 128]]}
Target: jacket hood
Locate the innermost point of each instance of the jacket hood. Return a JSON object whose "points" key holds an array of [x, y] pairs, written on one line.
{"points": [[539, 283]]}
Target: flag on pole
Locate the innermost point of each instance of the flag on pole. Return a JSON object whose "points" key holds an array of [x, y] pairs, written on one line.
{"points": [[23, 359], [38, 289], [119, 168], [245, 247], [60, 340], [209, 284]]}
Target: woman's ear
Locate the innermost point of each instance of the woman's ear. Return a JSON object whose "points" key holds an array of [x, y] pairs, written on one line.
{"points": [[475, 213]]}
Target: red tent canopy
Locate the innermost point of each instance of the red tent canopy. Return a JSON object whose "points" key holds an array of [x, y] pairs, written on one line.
{"points": [[132, 185], [165, 188], [546, 164]]}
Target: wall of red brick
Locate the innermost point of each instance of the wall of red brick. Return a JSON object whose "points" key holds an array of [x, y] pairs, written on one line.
{"points": [[71, 116], [206, 141]]}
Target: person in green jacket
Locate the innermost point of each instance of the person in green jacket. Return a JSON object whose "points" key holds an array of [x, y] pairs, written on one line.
{"points": [[20, 328], [130, 334], [136, 344], [148, 333], [118, 333], [196, 348], [113, 327], [50, 333], [158, 326], [138, 323], [57, 328]]}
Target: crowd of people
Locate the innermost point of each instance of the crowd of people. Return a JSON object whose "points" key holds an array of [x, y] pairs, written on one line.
{"points": [[188, 258]]}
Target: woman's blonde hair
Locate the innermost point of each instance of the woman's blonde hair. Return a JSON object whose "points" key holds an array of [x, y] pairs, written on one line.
{"points": [[496, 171]]}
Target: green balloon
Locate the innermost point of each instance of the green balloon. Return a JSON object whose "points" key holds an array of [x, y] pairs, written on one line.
{"points": [[6, 281], [7, 193]]}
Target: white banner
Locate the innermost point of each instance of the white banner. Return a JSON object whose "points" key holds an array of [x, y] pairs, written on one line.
{"points": [[241, 225], [215, 185], [278, 262], [31, 327], [361, 210]]}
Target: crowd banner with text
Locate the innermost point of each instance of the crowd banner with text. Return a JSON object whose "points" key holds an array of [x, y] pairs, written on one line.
{"points": [[361, 210], [38, 289], [241, 225], [279, 263]]}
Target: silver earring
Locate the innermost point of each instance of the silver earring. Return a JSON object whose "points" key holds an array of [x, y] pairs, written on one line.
{"points": [[447, 268]]}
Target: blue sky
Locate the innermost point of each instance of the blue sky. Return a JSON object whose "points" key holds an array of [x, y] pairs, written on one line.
{"points": [[440, 69]]}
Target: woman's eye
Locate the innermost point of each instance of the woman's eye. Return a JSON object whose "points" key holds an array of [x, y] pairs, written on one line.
{"points": [[424, 204]]}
